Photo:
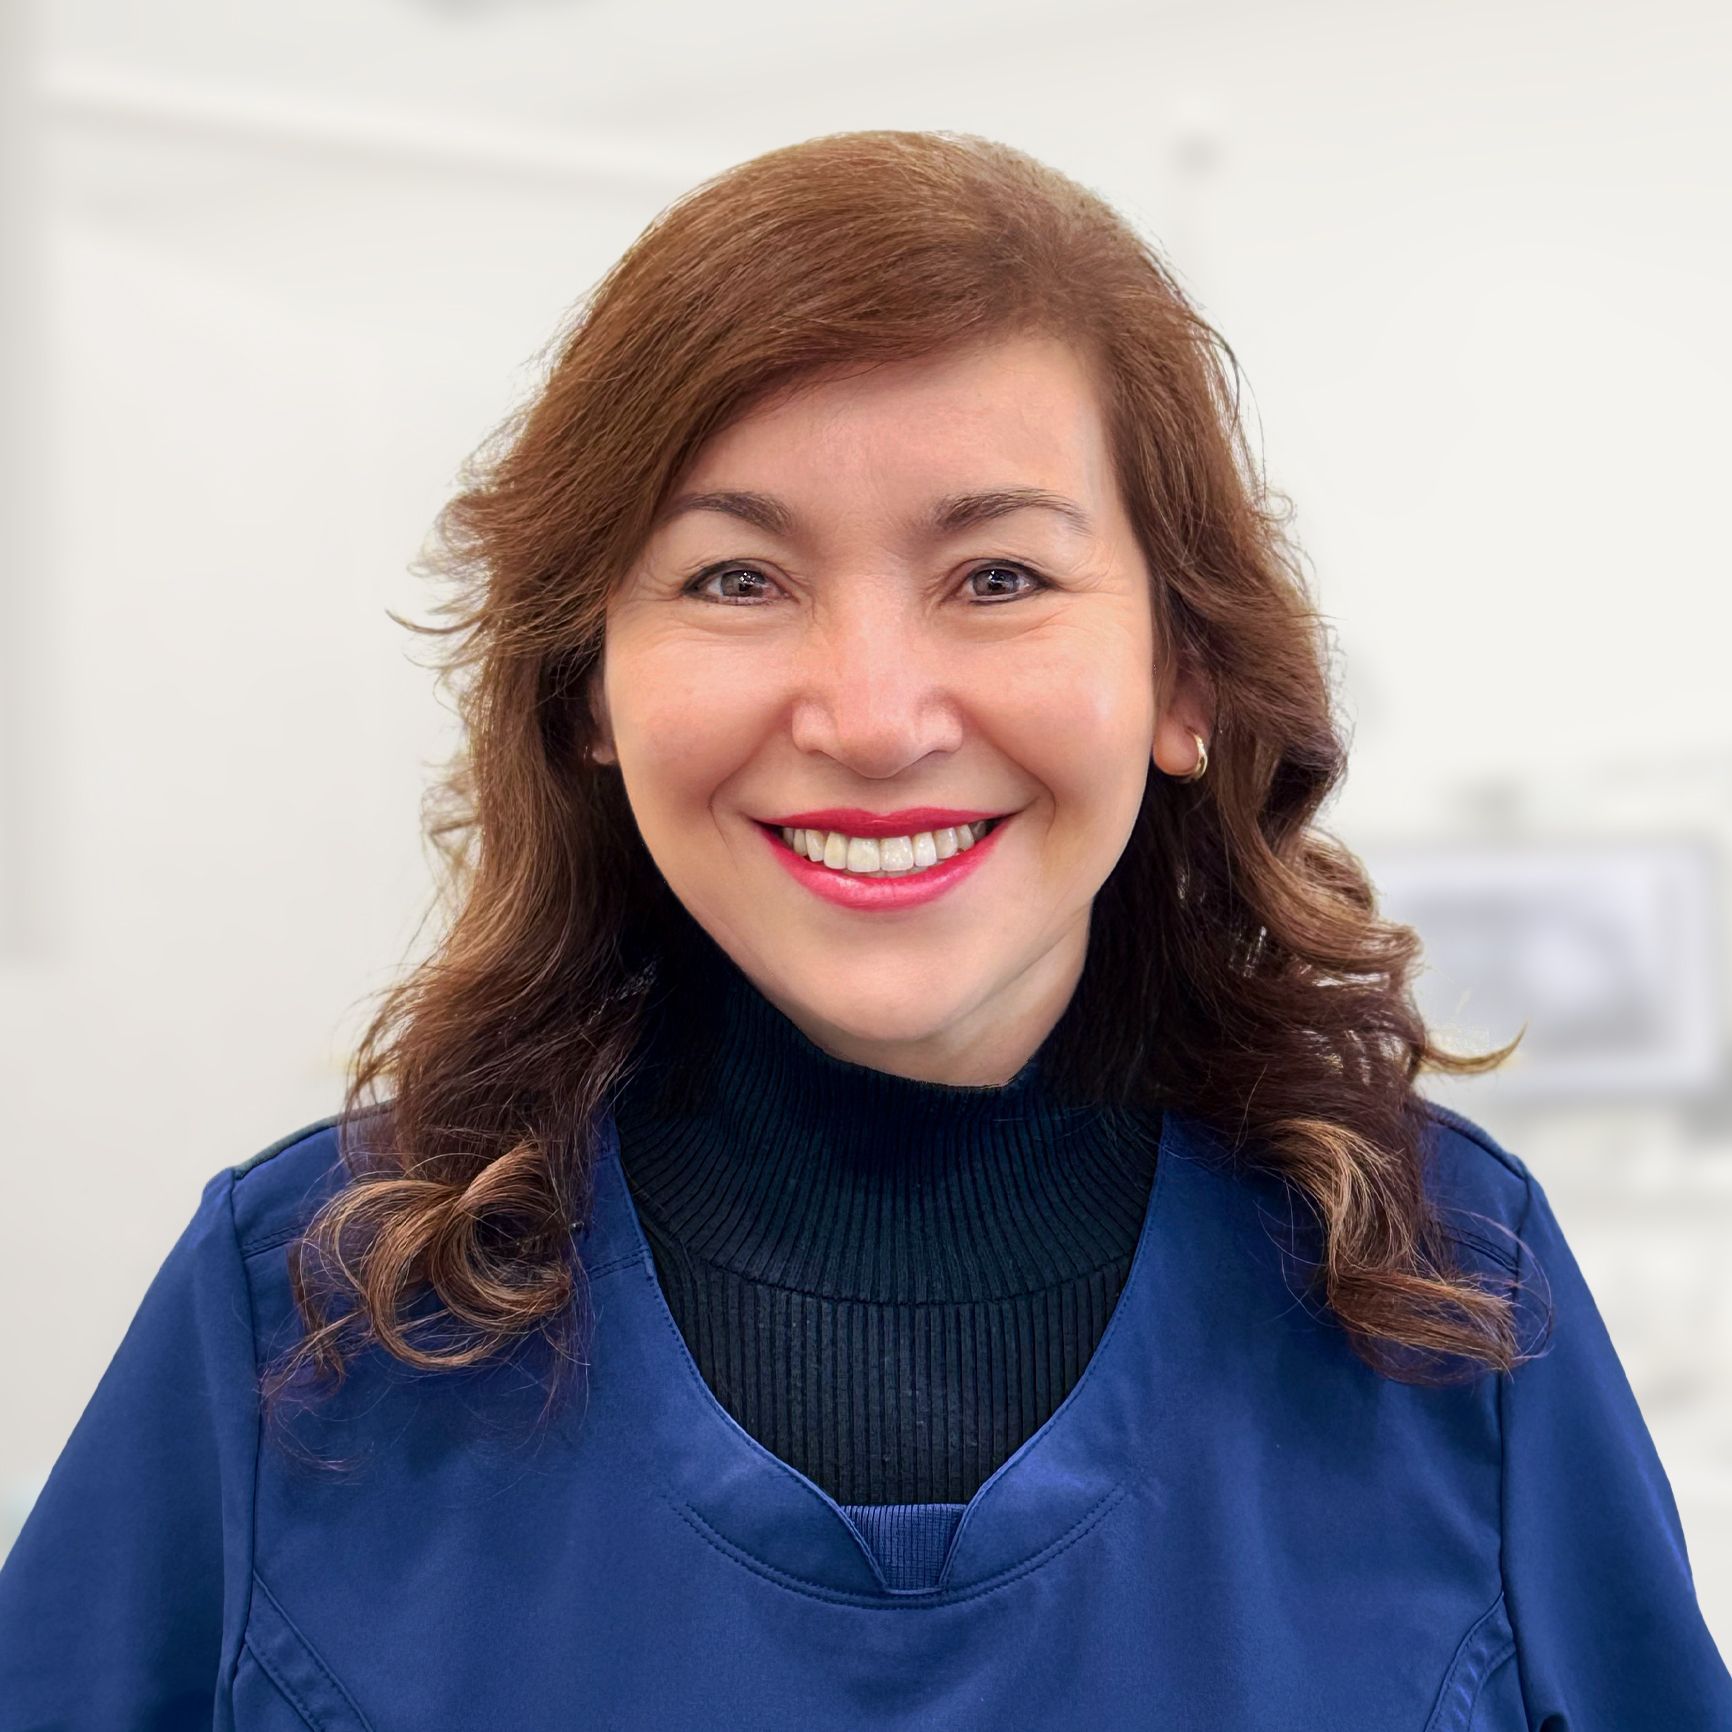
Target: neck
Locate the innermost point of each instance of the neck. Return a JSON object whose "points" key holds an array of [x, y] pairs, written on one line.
{"points": [[751, 1145]]}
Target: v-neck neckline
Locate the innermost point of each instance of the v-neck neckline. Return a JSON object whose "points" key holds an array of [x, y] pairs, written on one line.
{"points": [[758, 1507]]}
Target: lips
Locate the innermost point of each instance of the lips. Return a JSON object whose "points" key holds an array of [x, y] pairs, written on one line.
{"points": [[854, 821], [884, 892]]}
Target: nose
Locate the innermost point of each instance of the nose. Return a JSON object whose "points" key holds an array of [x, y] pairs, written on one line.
{"points": [[872, 685]]}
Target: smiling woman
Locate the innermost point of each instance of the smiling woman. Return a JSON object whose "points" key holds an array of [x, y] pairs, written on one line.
{"points": [[904, 1057], [860, 655]]}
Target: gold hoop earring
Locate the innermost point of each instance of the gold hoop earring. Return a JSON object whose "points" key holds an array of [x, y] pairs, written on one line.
{"points": [[1196, 772]]}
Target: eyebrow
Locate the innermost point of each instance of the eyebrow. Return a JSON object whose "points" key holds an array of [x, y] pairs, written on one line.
{"points": [[955, 512]]}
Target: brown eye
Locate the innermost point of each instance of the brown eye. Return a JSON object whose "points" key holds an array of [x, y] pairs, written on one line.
{"points": [[754, 590], [1005, 574]]}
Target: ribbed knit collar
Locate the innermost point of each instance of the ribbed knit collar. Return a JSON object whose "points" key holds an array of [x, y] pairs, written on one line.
{"points": [[750, 1148]]}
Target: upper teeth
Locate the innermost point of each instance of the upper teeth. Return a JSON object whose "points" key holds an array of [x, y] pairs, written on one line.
{"points": [[884, 855]]}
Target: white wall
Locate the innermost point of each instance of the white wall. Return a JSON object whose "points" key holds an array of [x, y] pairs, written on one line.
{"points": [[292, 263]]}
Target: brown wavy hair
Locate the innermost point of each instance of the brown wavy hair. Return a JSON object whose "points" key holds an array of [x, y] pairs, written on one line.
{"points": [[1237, 967]]}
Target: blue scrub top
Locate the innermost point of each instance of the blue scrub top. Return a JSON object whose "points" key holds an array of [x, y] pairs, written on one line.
{"points": [[1230, 1522]]}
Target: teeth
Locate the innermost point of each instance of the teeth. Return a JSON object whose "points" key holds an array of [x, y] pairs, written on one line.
{"points": [[895, 853], [884, 856], [863, 853]]}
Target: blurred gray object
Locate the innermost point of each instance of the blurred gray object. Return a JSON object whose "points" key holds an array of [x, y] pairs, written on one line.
{"points": [[1608, 949]]}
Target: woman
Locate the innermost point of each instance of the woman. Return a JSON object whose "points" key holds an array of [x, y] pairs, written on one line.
{"points": [[900, 1199]]}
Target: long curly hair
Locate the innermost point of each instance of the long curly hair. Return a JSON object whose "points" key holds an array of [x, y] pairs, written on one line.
{"points": [[1237, 967]]}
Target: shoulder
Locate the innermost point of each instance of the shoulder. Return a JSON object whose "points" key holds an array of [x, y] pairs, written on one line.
{"points": [[1477, 1183], [1462, 1165], [276, 1190], [1469, 1146]]}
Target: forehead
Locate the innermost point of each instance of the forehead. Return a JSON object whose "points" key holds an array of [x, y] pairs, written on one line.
{"points": [[1014, 410]]}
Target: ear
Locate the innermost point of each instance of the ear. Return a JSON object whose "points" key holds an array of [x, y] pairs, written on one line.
{"points": [[1188, 715], [601, 748]]}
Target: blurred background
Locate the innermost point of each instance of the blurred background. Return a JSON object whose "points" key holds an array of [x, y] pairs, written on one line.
{"points": [[269, 274]]}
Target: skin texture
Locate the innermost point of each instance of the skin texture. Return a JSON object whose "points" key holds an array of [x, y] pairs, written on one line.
{"points": [[865, 660]]}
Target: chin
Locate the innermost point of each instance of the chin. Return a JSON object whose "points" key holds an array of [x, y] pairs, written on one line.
{"points": [[902, 1013]]}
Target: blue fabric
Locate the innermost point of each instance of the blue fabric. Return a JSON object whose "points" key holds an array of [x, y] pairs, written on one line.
{"points": [[1230, 1522], [908, 1541]]}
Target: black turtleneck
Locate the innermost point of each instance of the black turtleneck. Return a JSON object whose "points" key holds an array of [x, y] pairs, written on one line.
{"points": [[889, 1283]]}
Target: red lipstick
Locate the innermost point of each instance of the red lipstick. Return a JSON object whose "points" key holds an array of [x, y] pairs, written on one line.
{"points": [[882, 893], [855, 821]]}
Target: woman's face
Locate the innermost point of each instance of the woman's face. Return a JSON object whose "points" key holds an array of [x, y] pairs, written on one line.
{"points": [[856, 606]]}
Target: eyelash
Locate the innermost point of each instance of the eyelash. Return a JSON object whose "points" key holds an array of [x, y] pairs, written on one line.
{"points": [[692, 587]]}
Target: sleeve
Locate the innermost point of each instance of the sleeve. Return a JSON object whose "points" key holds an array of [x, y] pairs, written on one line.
{"points": [[1609, 1635], [119, 1594]]}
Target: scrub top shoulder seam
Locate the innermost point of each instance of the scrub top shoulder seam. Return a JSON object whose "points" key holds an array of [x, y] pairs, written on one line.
{"points": [[241, 1169], [1477, 1134], [1504, 1383]]}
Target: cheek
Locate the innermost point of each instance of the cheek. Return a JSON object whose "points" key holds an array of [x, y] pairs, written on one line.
{"points": [[1088, 712], [684, 721]]}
